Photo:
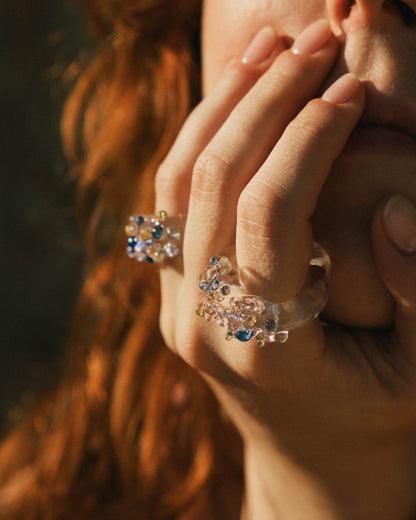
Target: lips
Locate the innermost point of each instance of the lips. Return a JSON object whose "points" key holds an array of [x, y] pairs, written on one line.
{"points": [[388, 125], [389, 112]]}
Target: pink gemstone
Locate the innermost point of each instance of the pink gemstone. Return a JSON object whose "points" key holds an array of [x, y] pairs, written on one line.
{"points": [[234, 321]]}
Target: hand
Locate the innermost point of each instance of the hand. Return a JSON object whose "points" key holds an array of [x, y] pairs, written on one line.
{"points": [[248, 168]]}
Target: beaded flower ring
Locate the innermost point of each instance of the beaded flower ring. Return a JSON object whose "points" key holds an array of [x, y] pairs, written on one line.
{"points": [[246, 316], [152, 238]]}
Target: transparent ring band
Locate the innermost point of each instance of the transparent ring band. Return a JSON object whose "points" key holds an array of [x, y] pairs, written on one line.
{"points": [[248, 316], [154, 238]]}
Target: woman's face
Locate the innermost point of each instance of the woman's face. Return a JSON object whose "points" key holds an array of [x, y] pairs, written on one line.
{"points": [[379, 46]]}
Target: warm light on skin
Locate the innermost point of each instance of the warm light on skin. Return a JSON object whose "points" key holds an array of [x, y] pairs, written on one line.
{"points": [[380, 50]]}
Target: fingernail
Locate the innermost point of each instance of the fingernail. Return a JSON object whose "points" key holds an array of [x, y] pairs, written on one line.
{"points": [[344, 89], [400, 223], [260, 47], [312, 38]]}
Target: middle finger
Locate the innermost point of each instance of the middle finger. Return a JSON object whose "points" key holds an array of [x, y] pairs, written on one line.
{"points": [[246, 138]]}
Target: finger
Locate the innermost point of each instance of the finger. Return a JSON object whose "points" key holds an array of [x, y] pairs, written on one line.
{"points": [[174, 175], [394, 245], [274, 238], [173, 178], [244, 141]]}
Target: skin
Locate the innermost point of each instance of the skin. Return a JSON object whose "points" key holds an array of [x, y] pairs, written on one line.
{"points": [[329, 419]]}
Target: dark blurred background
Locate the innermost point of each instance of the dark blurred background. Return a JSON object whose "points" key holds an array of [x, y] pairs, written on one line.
{"points": [[42, 43]]}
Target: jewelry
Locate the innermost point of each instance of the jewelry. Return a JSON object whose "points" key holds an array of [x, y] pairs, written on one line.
{"points": [[152, 238], [246, 316]]}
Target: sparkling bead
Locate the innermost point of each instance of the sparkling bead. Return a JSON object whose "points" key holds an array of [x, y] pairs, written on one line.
{"points": [[213, 261], [282, 336], [145, 233], [270, 325], [234, 322], [244, 335], [270, 337], [141, 257], [149, 242], [162, 215], [250, 321], [139, 220], [225, 290], [258, 304], [219, 320], [129, 230], [200, 310], [130, 252], [211, 273], [159, 255], [132, 241], [157, 232], [150, 251], [171, 249], [224, 265], [261, 340], [140, 246], [210, 314], [229, 335], [173, 233], [203, 286]]}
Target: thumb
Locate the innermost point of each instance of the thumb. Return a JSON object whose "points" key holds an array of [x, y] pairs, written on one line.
{"points": [[394, 244]]}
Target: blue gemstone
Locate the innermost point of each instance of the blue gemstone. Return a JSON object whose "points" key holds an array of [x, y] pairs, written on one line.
{"points": [[213, 260], [150, 260], [244, 335], [203, 285], [157, 231], [139, 220], [132, 241]]}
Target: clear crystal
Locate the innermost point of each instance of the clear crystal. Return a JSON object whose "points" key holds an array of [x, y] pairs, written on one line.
{"points": [[281, 337], [171, 249], [224, 265], [173, 233]]}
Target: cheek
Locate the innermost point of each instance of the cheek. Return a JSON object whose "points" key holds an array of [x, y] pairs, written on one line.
{"points": [[226, 33], [228, 26]]}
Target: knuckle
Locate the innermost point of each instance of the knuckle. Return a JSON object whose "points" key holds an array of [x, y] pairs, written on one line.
{"points": [[209, 174], [263, 212], [253, 210], [312, 123]]}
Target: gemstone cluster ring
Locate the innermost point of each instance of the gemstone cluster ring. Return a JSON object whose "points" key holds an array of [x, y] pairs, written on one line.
{"points": [[247, 316], [153, 238]]}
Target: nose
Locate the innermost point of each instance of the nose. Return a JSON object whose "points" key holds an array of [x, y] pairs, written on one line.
{"points": [[372, 11]]}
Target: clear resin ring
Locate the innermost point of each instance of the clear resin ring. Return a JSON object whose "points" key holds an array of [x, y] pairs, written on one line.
{"points": [[246, 316], [152, 238]]}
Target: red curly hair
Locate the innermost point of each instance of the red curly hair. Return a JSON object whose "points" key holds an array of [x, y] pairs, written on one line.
{"points": [[130, 432]]}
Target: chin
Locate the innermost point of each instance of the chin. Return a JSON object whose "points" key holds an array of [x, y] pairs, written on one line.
{"points": [[358, 298], [359, 304], [341, 223]]}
